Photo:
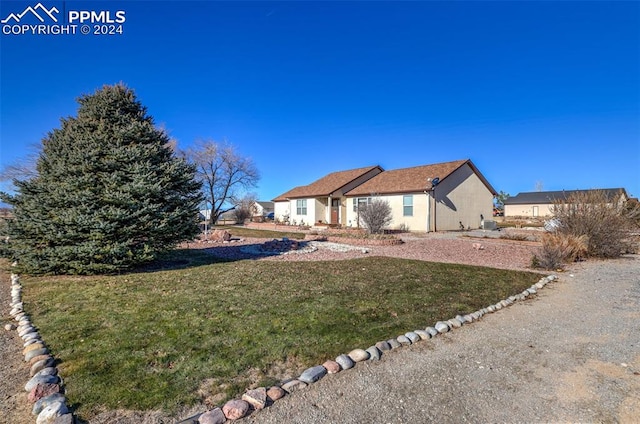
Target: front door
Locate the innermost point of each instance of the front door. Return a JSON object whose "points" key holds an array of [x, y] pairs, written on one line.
{"points": [[535, 211], [335, 211]]}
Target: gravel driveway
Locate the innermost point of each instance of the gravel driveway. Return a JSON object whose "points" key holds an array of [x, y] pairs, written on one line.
{"points": [[570, 354]]}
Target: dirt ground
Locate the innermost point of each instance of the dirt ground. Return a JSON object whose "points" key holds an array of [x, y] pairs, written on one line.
{"points": [[572, 354]]}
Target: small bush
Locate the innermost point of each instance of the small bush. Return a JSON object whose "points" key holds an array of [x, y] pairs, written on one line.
{"points": [[558, 249], [605, 222], [376, 216]]}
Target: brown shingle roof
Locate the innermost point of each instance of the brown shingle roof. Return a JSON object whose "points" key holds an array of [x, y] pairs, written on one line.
{"points": [[325, 185], [411, 180]]}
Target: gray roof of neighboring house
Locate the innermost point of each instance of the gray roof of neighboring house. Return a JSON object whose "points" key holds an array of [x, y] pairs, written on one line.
{"points": [[547, 197], [265, 204]]}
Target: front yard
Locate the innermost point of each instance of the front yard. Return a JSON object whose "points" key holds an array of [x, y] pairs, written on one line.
{"points": [[203, 330]]}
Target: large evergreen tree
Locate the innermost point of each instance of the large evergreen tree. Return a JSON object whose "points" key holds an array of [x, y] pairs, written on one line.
{"points": [[109, 192]]}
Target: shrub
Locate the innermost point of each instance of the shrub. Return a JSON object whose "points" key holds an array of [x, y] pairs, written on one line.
{"points": [[375, 216], [604, 222]]}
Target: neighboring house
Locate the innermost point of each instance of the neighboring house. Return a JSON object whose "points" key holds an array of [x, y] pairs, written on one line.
{"points": [[263, 208], [539, 203], [225, 218], [322, 201], [461, 196]]}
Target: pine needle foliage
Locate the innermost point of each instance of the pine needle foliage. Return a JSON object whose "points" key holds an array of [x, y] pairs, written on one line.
{"points": [[109, 193]]}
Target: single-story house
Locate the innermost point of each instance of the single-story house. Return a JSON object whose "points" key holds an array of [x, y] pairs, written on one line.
{"points": [[322, 201], [441, 196], [263, 208], [540, 203]]}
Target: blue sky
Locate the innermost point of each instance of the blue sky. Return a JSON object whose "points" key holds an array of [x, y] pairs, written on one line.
{"points": [[534, 93]]}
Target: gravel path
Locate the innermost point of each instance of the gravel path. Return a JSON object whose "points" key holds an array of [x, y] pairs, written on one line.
{"points": [[570, 355]]}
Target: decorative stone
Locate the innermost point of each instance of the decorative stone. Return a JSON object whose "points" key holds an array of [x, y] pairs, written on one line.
{"points": [[383, 346], [41, 390], [40, 365], [214, 416], [532, 290], [526, 293], [461, 319], [332, 366], [358, 355], [47, 371], [256, 398], [235, 409], [442, 327], [32, 341], [454, 323], [432, 331], [394, 343], [37, 379], [32, 335], [403, 340], [469, 318], [275, 393], [413, 337], [313, 374], [10, 327], [491, 308], [45, 401], [293, 385], [65, 419], [423, 334], [25, 329], [220, 235], [39, 358], [36, 352], [32, 346], [345, 362], [49, 414], [374, 353]]}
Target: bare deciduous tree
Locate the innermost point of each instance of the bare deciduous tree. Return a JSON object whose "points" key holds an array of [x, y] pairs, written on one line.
{"points": [[224, 173], [376, 215], [245, 208]]}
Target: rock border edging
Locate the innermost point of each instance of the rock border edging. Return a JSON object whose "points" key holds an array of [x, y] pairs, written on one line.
{"points": [[45, 387]]}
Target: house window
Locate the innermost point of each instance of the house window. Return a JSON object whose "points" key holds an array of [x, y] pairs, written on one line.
{"points": [[301, 207], [360, 202], [407, 205]]}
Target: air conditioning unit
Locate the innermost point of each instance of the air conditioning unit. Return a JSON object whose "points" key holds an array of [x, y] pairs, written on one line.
{"points": [[487, 224]]}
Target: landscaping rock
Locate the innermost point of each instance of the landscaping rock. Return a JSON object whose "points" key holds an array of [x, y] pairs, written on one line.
{"points": [[442, 327], [383, 346], [454, 323], [32, 346], [42, 390], [313, 374], [213, 416], [38, 379], [275, 393], [45, 401], [65, 419], [423, 334], [257, 398], [332, 366], [220, 235], [358, 355], [47, 371], [374, 353], [293, 385], [35, 359], [235, 409], [22, 330], [413, 337], [394, 343], [36, 352], [49, 414], [10, 327], [40, 365], [432, 331], [403, 340], [345, 362]]}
